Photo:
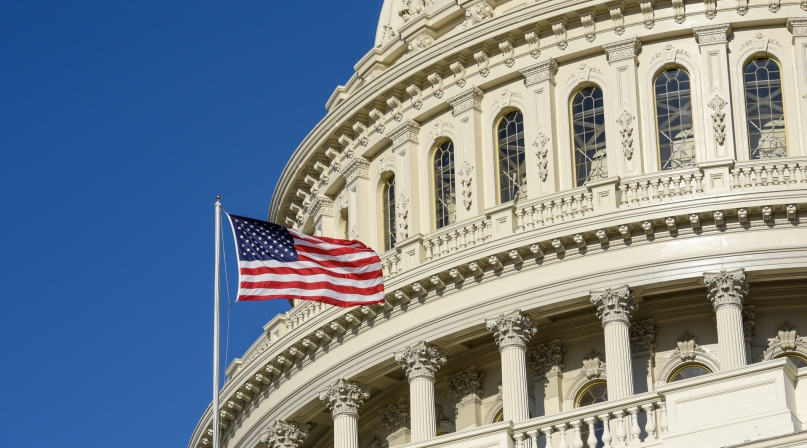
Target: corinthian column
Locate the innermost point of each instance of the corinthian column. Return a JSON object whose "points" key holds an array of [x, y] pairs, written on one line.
{"points": [[284, 435], [344, 398], [615, 306], [512, 331], [726, 291], [420, 362]]}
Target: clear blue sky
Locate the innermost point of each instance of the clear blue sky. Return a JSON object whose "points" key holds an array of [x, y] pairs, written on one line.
{"points": [[119, 123]]}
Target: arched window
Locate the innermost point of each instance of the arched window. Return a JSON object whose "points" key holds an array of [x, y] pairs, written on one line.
{"points": [[596, 392], [588, 136], [512, 172], [388, 212], [765, 110], [445, 197], [688, 371], [676, 139], [797, 359], [499, 417]]}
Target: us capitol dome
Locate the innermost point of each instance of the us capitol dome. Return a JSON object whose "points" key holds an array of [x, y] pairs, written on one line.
{"points": [[592, 223]]}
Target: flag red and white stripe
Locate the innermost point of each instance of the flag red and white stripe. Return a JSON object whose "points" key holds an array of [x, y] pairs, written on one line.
{"points": [[276, 262]]}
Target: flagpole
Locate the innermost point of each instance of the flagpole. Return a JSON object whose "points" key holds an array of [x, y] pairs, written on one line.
{"points": [[216, 422]]}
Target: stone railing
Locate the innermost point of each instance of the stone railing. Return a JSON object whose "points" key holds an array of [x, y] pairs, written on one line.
{"points": [[759, 174], [555, 208], [658, 187], [457, 236], [638, 420], [391, 263], [302, 313]]}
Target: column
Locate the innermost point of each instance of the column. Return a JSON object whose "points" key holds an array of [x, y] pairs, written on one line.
{"points": [[344, 398], [420, 362], [615, 306], [798, 27], [715, 92], [546, 362], [726, 291], [541, 160], [511, 332], [625, 97], [468, 160], [284, 434], [465, 387]]}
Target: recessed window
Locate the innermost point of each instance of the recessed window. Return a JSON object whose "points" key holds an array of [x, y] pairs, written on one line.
{"points": [[512, 171], [676, 139], [798, 360], [689, 371], [388, 212], [588, 136], [765, 109], [499, 416], [445, 197]]}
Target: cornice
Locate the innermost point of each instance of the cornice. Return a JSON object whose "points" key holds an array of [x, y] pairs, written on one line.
{"points": [[623, 49], [467, 100], [544, 70], [712, 34]]}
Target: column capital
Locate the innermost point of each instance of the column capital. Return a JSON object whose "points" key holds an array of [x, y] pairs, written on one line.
{"points": [[344, 397], [727, 287], [511, 329], [284, 435], [405, 132], [623, 49], [614, 304], [356, 167], [712, 34], [469, 99], [396, 416], [797, 26], [466, 384], [546, 359], [420, 360], [542, 71]]}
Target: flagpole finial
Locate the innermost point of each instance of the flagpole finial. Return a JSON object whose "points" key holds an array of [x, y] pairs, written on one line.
{"points": [[218, 197]]}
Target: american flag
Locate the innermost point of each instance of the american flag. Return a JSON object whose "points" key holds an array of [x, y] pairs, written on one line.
{"points": [[276, 262]]}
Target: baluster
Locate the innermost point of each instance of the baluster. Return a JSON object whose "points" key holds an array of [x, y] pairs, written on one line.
{"points": [[592, 438], [803, 171], [529, 218], [650, 427], [577, 438], [578, 204], [791, 167], [698, 182], [621, 435], [634, 194], [655, 184], [452, 238], [666, 182], [644, 185], [558, 203], [548, 436], [768, 173], [606, 430], [779, 174], [488, 229], [520, 219], [635, 431], [533, 435], [735, 175], [562, 429], [663, 417], [747, 176], [444, 238], [519, 438], [539, 215], [589, 201], [623, 194], [678, 183], [427, 244], [567, 209]]}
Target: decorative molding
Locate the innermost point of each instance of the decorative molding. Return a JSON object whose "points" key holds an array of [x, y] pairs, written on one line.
{"points": [[397, 108], [459, 73], [727, 287], [774, 5], [623, 49], [712, 34], [593, 365], [465, 384], [420, 43], [378, 120], [508, 53], [626, 130], [679, 11], [477, 13], [483, 62], [540, 72], [742, 7], [787, 340], [506, 96], [614, 304], [466, 179], [546, 359], [642, 336], [467, 100], [589, 25], [748, 316], [686, 347], [717, 104], [420, 360], [798, 25], [284, 435], [402, 210], [618, 17], [711, 8], [512, 329], [583, 73], [541, 142], [669, 54], [395, 416], [648, 14], [415, 95], [358, 167], [407, 132], [343, 397], [437, 84], [534, 43], [559, 29], [687, 351]]}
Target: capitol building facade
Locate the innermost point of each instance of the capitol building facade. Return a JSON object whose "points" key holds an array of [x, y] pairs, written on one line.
{"points": [[592, 223]]}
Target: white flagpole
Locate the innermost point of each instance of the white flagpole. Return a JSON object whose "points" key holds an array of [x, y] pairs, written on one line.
{"points": [[216, 422]]}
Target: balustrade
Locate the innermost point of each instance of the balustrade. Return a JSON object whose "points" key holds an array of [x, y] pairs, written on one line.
{"points": [[657, 187], [758, 174], [457, 236], [555, 208]]}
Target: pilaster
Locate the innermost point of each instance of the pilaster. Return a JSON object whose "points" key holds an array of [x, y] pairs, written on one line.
{"points": [[512, 332], [284, 435], [715, 92], [420, 362], [344, 398], [541, 152], [357, 177], [615, 307], [466, 387], [798, 28], [622, 57], [546, 362], [726, 291], [405, 149], [395, 420], [467, 109]]}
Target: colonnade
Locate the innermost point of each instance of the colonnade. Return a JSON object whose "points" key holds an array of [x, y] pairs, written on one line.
{"points": [[511, 331]]}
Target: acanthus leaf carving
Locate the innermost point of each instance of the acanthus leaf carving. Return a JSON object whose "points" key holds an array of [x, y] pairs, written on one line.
{"points": [[459, 73], [642, 336], [378, 123], [711, 8], [618, 17], [397, 108], [541, 143], [546, 359], [477, 13], [416, 95], [687, 347], [614, 304], [437, 84], [483, 61], [466, 179], [587, 19], [508, 52], [559, 29], [626, 130], [344, 397], [534, 43], [420, 360], [402, 207], [395, 416], [284, 435], [511, 329], [718, 118], [727, 287], [593, 364], [679, 11], [465, 384], [648, 14]]}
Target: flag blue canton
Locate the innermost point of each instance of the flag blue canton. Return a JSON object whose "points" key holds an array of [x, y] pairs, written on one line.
{"points": [[262, 241]]}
